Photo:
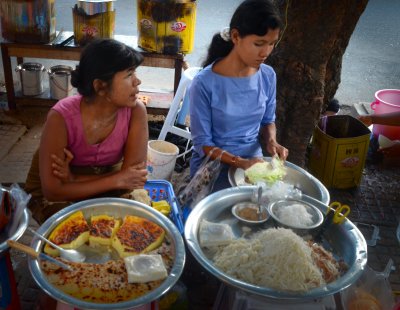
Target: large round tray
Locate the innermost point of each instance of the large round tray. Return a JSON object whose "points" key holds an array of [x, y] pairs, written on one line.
{"points": [[300, 178], [117, 207], [345, 241]]}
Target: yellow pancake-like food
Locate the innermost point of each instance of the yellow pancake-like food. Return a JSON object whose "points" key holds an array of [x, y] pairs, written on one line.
{"points": [[69, 234], [137, 235], [102, 230]]}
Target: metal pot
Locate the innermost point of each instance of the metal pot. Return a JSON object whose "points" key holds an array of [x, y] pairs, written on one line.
{"points": [[296, 176], [92, 7], [345, 241], [60, 81], [117, 207], [31, 76]]}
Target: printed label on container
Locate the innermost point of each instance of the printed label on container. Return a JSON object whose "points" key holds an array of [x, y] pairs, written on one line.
{"points": [[178, 26], [146, 23], [91, 31]]}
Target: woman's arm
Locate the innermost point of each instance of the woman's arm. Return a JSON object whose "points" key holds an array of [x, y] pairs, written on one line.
{"points": [[390, 119], [136, 145], [54, 141], [230, 159], [268, 136]]}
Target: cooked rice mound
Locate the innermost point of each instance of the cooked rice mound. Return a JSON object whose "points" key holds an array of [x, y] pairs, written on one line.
{"points": [[275, 258]]}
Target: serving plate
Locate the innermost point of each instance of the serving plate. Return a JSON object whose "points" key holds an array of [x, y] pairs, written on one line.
{"points": [[296, 176], [345, 241], [117, 207], [5, 234]]}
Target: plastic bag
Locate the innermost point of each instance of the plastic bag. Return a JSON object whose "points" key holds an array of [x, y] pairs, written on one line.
{"points": [[371, 291], [14, 200], [202, 183], [277, 191], [5, 207]]}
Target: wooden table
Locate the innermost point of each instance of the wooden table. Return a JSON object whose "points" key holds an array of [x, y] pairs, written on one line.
{"points": [[72, 52]]}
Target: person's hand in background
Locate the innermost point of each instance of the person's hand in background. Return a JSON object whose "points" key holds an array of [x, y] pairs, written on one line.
{"points": [[366, 119]]}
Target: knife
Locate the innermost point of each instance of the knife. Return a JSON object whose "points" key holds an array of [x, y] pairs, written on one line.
{"points": [[33, 253]]}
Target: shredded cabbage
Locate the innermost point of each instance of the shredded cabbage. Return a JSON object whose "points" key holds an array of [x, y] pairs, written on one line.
{"points": [[268, 172]]}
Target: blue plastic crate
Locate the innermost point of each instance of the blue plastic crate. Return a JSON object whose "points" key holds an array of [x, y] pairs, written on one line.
{"points": [[163, 190]]}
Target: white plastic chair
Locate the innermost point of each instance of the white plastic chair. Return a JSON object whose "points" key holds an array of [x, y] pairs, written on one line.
{"points": [[180, 104]]}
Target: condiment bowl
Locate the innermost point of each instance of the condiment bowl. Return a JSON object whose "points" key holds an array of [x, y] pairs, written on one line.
{"points": [[292, 218], [248, 212]]}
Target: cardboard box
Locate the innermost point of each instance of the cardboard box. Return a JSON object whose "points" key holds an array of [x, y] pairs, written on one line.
{"points": [[166, 27], [28, 21], [338, 151]]}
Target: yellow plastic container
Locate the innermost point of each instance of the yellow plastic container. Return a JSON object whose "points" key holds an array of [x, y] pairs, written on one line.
{"points": [[339, 150], [166, 26], [88, 27], [28, 21]]}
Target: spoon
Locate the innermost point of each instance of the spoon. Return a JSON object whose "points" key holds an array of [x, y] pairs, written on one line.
{"points": [[37, 255], [259, 203], [68, 254]]}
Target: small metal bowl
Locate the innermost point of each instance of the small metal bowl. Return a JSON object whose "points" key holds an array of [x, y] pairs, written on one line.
{"points": [[252, 209], [316, 216]]}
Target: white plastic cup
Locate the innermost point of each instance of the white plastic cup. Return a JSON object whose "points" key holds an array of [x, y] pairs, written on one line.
{"points": [[161, 159]]}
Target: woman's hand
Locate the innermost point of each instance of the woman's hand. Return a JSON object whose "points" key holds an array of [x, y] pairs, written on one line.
{"points": [[392, 151], [366, 119], [60, 167], [132, 177], [274, 148]]}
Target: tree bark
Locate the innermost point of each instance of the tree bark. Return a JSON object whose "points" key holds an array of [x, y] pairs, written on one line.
{"points": [[307, 61]]}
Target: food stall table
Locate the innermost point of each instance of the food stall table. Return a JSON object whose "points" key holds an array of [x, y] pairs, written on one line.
{"points": [[72, 52]]}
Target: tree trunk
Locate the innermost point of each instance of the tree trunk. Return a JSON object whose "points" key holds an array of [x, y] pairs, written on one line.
{"points": [[308, 62]]}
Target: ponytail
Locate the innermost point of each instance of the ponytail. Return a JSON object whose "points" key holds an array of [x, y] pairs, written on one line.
{"points": [[251, 17], [218, 48]]}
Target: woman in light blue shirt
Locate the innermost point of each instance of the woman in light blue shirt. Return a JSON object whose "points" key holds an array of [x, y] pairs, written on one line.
{"points": [[233, 99]]}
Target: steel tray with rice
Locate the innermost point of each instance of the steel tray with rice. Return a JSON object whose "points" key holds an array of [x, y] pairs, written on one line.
{"points": [[274, 262]]}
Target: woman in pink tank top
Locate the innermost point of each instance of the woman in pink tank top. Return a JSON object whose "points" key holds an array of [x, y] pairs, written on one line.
{"points": [[96, 141]]}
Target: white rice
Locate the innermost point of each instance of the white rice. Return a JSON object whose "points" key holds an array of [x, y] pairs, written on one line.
{"points": [[295, 215], [276, 258]]}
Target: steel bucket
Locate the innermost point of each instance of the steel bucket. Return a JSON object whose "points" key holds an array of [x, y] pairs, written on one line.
{"points": [[31, 76], [60, 82]]}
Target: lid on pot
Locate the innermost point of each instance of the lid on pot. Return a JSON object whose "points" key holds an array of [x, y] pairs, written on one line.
{"points": [[60, 70], [32, 66]]}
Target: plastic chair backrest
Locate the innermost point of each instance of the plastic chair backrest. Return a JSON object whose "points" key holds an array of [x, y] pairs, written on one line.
{"points": [[176, 107]]}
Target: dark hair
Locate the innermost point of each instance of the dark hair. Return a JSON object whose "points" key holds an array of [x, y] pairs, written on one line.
{"points": [[101, 59], [251, 17]]}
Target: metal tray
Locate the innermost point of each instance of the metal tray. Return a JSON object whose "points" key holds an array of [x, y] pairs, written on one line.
{"points": [[117, 207], [344, 241], [4, 235], [298, 177]]}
